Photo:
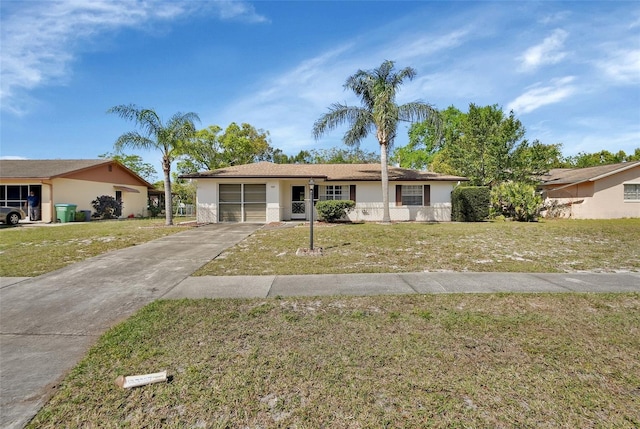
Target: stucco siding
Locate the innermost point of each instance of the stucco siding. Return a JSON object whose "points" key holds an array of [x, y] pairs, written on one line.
{"points": [[206, 201], [273, 201], [599, 199], [82, 192], [369, 206], [368, 200]]}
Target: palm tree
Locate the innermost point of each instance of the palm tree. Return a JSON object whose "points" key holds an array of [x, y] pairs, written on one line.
{"points": [[377, 90], [168, 138]]}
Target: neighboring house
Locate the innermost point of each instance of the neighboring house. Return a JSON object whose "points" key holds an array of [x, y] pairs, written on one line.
{"points": [[267, 192], [602, 192], [72, 181]]}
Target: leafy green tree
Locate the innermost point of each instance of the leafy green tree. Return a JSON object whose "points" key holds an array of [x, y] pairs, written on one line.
{"points": [[343, 156], [378, 113], [184, 190], [482, 151], [170, 138], [133, 163], [303, 157], [203, 153], [603, 157], [516, 200], [333, 155], [426, 140], [532, 160], [238, 144], [489, 147], [244, 144]]}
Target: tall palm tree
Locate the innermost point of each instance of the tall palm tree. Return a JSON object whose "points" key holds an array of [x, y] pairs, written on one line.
{"points": [[168, 138], [377, 90]]}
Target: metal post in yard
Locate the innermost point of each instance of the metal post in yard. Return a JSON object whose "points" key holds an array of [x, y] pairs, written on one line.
{"points": [[311, 184]]}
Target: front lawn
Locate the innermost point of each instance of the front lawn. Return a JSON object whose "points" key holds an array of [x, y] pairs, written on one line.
{"points": [[28, 251], [549, 246], [441, 361]]}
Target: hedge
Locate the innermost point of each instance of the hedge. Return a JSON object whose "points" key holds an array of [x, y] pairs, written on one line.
{"points": [[470, 203], [332, 210]]}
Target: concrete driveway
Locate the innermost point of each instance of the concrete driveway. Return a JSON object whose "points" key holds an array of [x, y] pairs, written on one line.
{"points": [[48, 323]]}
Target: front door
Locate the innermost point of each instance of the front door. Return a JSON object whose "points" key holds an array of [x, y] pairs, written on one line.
{"points": [[298, 204]]}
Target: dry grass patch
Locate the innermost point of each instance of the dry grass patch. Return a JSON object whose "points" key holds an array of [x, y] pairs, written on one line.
{"points": [[544, 361], [553, 246], [31, 251]]}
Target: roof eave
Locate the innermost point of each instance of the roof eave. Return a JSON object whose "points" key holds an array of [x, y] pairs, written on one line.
{"points": [[616, 171], [594, 178]]}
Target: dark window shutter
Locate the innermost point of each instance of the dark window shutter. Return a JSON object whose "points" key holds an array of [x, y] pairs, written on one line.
{"points": [[427, 195], [398, 195], [352, 193], [316, 195]]}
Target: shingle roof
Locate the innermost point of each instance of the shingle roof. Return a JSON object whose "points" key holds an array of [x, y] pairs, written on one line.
{"points": [[328, 172], [563, 176], [42, 169], [45, 168]]}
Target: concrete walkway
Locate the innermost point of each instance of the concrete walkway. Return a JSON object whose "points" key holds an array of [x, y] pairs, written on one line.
{"points": [[401, 283], [48, 323]]}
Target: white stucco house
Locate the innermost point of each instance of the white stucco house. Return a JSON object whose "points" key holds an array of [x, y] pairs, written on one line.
{"points": [[601, 192], [265, 192], [72, 181]]}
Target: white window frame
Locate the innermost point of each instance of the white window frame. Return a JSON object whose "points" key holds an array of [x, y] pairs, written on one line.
{"points": [[631, 195], [414, 195], [328, 192]]}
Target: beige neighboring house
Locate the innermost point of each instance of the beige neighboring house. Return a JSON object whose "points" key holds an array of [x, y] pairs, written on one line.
{"points": [[602, 192], [72, 181], [265, 192]]}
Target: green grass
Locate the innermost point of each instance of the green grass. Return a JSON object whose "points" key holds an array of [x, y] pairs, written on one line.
{"points": [[31, 251], [467, 361], [550, 246]]}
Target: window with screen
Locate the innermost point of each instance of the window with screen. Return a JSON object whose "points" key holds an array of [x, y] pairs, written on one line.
{"points": [[411, 195], [632, 192]]}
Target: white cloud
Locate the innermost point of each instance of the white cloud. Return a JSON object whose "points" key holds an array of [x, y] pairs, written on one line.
{"points": [[40, 39], [548, 52], [425, 45], [555, 17], [539, 96], [232, 9], [622, 66], [288, 104]]}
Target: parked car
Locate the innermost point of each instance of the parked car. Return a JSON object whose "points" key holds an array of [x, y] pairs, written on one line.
{"points": [[11, 215]]}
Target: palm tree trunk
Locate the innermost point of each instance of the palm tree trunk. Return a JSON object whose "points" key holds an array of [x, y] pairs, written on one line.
{"points": [[168, 203], [386, 217]]}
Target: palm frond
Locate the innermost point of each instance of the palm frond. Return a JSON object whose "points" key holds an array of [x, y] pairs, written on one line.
{"points": [[405, 73], [146, 119], [337, 115], [417, 111], [125, 111], [149, 121], [361, 124], [134, 140]]}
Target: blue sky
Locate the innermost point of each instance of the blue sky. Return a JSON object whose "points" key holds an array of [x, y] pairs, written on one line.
{"points": [[569, 70]]}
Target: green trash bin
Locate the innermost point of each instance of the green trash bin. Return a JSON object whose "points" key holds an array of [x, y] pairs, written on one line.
{"points": [[66, 212]]}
